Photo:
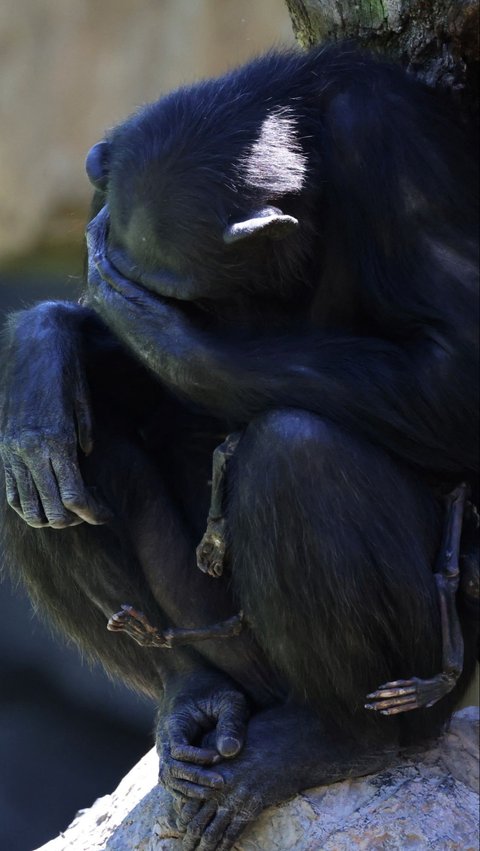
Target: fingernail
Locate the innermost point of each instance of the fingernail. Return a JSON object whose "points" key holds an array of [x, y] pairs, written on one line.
{"points": [[228, 746]]}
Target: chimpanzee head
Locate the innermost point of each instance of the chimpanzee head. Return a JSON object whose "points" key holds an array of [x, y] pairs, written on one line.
{"points": [[207, 188]]}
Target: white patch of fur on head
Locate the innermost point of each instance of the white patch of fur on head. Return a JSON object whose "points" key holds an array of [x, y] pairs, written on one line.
{"points": [[275, 163]]}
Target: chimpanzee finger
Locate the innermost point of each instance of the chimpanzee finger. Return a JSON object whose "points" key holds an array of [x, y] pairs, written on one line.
{"points": [[214, 832], [30, 505], [196, 774], [84, 422], [185, 727], [186, 811], [11, 488], [198, 824], [233, 832], [47, 487], [126, 288], [198, 756], [75, 496], [232, 726], [188, 790]]}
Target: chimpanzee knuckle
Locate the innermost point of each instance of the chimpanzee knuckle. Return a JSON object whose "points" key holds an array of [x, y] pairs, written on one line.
{"points": [[26, 444], [39, 444], [61, 445], [10, 447], [232, 701]]}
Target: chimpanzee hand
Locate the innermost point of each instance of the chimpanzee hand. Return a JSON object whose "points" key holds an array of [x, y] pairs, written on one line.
{"points": [[200, 724], [268, 771], [163, 335], [45, 418]]}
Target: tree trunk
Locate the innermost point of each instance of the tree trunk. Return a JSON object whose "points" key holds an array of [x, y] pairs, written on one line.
{"points": [[435, 39]]}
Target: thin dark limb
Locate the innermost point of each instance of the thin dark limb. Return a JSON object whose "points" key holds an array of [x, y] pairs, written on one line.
{"points": [[135, 624], [404, 695], [212, 549], [470, 560]]}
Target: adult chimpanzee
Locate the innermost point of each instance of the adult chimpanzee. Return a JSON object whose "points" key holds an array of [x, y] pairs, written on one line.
{"points": [[288, 252]]}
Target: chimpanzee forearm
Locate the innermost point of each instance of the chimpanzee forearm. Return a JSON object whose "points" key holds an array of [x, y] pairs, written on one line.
{"points": [[405, 397], [46, 415], [46, 418]]}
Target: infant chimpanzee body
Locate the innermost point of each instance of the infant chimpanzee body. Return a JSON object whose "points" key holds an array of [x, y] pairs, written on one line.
{"points": [[288, 252]]}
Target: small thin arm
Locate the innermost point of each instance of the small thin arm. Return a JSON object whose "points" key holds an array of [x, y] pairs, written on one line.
{"points": [[211, 551], [135, 624], [404, 695]]}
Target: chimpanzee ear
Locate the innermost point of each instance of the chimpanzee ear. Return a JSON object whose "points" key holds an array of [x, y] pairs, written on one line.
{"points": [[269, 221], [97, 165]]}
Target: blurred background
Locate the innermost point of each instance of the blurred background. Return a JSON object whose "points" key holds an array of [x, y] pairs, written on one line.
{"points": [[68, 71]]}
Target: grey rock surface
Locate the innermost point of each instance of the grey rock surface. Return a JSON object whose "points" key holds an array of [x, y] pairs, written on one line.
{"points": [[430, 799]]}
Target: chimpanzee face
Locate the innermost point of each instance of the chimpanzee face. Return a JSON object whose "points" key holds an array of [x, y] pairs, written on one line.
{"points": [[186, 209]]}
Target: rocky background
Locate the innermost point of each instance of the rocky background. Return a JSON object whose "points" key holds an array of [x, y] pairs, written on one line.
{"points": [[68, 71]]}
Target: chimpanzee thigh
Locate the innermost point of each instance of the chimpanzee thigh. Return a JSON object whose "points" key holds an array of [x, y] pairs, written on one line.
{"points": [[333, 546]]}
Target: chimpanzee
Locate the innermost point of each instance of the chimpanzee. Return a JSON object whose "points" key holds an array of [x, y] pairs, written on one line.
{"points": [[286, 254]]}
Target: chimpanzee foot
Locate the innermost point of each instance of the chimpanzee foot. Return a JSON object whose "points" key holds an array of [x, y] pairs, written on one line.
{"points": [[405, 695], [135, 624], [211, 550]]}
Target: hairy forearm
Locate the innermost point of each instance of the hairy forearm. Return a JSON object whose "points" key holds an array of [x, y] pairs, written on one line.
{"points": [[41, 348]]}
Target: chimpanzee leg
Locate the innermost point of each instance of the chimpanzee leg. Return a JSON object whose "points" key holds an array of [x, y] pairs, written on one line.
{"points": [[333, 548]]}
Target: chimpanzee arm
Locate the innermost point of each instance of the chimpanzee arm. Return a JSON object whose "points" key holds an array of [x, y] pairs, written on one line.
{"points": [[45, 412], [409, 398], [45, 416]]}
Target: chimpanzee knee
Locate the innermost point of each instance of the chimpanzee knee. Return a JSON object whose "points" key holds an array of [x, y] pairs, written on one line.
{"points": [[278, 444], [292, 429]]}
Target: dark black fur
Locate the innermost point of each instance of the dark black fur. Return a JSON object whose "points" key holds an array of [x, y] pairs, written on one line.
{"points": [[347, 351]]}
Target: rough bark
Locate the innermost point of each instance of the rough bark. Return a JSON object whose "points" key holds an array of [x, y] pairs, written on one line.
{"points": [[435, 39]]}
